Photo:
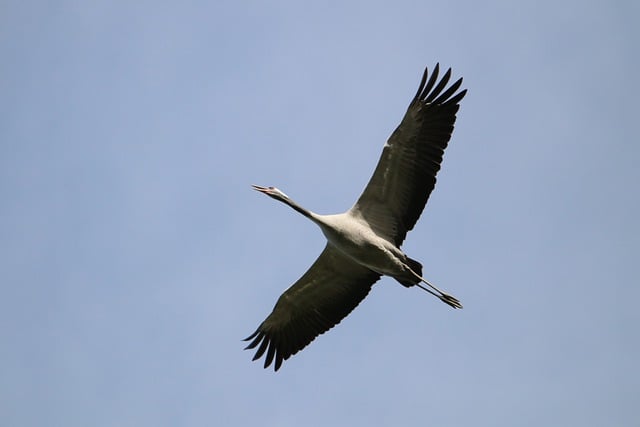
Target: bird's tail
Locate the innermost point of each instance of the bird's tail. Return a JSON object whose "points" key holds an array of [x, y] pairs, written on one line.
{"points": [[411, 280]]}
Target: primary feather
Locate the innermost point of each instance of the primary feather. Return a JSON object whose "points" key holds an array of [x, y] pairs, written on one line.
{"points": [[363, 243]]}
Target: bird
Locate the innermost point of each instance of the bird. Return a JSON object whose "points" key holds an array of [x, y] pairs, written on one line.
{"points": [[364, 242]]}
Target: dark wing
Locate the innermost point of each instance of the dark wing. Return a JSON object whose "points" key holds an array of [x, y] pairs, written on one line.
{"points": [[331, 288], [406, 173]]}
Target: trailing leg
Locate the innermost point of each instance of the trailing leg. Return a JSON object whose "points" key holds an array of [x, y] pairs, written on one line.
{"points": [[416, 269]]}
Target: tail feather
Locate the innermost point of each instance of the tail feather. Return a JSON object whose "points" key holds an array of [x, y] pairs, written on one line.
{"points": [[411, 280], [415, 266]]}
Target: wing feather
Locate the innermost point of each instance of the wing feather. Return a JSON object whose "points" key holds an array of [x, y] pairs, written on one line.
{"points": [[405, 176], [331, 288]]}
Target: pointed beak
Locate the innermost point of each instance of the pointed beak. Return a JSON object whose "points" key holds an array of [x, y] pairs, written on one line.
{"points": [[260, 189]]}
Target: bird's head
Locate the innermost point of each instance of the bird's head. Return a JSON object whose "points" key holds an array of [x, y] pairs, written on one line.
{"points": [[271, 192]]}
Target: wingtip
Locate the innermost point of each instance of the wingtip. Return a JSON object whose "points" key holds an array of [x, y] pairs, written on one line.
{"points": [[278, 363], [252, 335]]}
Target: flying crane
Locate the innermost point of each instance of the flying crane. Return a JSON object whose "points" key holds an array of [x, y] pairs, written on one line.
{"points": [[364, 242]]}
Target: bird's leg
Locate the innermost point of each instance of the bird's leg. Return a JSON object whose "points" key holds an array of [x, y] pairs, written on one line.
{"points": [[444, 297], [427, 290]]}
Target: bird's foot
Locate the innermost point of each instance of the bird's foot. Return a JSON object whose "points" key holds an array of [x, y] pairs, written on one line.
{"points": [[445, 298], [449, 300]]}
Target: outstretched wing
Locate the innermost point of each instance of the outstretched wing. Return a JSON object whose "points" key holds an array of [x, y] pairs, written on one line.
{"points": [[331, 288], [406, 173]]}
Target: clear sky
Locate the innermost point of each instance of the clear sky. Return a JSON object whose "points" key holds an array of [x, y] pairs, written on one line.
{"points": [[134, 255]]}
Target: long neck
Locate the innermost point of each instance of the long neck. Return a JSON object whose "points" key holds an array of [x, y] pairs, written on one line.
{"points": [[299, 208]]}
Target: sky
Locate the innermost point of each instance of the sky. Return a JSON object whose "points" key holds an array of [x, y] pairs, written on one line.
{"points": [[134, 256]]}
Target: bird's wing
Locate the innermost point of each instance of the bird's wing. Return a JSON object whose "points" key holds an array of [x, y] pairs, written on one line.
{"points": [[331, 288], [406, 173]]}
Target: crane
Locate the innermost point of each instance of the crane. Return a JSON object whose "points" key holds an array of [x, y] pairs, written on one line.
{"points": [[364, 242]]}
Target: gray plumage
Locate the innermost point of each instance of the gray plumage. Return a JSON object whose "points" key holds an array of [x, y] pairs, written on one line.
{"points": [[364, 242]]}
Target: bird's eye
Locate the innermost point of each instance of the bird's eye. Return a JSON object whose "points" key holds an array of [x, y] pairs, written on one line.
{"points": [[271, 188]]}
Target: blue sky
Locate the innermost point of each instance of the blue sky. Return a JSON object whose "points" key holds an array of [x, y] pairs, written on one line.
{"points": [[134, 256]]}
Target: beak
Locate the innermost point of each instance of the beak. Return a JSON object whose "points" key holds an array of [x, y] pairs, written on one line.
{"points": [[260, 189]]}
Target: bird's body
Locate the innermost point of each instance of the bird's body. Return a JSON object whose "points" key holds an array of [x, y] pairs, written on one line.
{"points": [[355, 239], [364, 242]]}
